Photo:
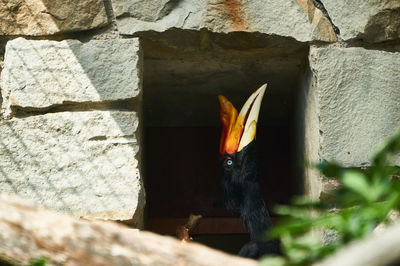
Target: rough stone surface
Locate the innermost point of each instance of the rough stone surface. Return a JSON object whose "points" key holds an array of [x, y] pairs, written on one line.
{"points": [[47, 17], [1, 69], [359, 105], [81, 163], [308, 136], [298, 19], [144, 15], [321, 27], [43, 73], [372, 20]]}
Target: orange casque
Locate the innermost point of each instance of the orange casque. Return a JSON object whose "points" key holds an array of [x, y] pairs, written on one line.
{"points": [[233, 124]]}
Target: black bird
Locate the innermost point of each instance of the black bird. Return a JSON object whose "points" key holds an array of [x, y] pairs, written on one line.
{"points": [[240, 173]]}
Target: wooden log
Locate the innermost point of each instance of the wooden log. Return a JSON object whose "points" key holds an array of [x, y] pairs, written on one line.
{"points": [[28, 232]]}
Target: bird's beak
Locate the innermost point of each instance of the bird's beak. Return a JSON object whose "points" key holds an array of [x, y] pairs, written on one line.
{"points": [[239, 130]]}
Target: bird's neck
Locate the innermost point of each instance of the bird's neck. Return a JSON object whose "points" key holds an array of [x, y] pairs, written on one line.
{"points": [[254, 212]]}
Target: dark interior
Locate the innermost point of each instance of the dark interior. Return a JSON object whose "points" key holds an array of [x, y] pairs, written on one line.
{"points": [[182, 130], [182, 169]]}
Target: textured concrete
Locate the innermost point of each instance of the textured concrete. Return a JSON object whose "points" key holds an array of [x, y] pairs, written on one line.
{"points": [[370, 20], [321, 27], [39, 74], [308, 138], [144, 15], [81, 163], [297, 19], [358, 101], [46, 17]]}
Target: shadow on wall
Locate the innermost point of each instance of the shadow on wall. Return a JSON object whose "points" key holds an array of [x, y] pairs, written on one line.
{"points": [[383, 26]]}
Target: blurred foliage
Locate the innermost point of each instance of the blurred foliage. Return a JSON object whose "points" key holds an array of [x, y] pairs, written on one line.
{"points": [[5, 262], [363, 199], [38, 262]]}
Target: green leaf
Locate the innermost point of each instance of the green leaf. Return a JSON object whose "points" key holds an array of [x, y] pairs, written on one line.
{"points": [[295, 212], [363, 201], [386, 150], [329, 169], [273, 261], [306, 202], [293, 227], [38, 262], [358, 183]]}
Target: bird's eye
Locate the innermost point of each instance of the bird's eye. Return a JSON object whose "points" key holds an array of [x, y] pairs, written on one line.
{"points": [[228, 162]]}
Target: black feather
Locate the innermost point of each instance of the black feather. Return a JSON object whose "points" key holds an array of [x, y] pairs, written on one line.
{"points": [[242, 197]]}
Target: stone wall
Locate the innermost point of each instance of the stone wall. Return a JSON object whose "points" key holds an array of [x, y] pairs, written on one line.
{"points": [[73, 75], [70, 128], [357, 92]]}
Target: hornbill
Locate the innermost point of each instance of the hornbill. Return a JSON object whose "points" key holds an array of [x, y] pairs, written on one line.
{"points": [[240, 179]]}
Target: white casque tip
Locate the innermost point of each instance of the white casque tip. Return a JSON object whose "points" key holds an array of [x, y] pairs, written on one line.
{"points": [[249, 130]]}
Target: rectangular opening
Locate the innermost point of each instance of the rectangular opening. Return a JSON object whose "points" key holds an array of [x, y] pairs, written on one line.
{"points": [[184, 72]]}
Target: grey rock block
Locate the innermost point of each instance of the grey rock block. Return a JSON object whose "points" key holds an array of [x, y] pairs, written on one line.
{"points": [[358, 100], [371, 20], [297, 19], [39, 74], [146, 15], [82, 163], [47, 17]]}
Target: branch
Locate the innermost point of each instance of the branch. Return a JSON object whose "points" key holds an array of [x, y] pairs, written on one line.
{"points": [[182, 231], [27, 232]]}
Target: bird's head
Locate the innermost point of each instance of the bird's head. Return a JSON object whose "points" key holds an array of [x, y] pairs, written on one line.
{"points": [[237, 144]]}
